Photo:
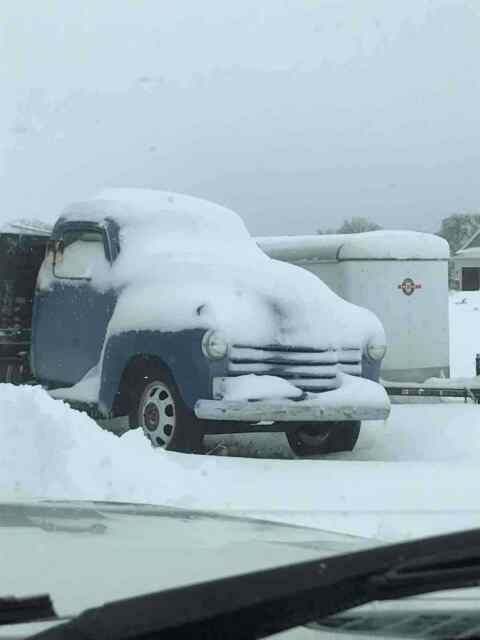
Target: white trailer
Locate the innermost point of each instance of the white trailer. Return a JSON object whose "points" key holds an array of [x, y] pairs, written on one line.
{"points": [[402, 276]]}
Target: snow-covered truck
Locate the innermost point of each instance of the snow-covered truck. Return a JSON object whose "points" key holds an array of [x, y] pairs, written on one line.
{"points": [[161, 308]]}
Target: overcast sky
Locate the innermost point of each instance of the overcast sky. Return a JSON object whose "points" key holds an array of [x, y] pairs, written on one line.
{"points": [[295, 113]]}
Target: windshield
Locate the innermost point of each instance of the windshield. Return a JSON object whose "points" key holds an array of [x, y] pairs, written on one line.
{"points": [[240, 277]]}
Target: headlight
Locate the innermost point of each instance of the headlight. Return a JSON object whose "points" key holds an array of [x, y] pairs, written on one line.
{"points": [[376, 351], [214, 345]]}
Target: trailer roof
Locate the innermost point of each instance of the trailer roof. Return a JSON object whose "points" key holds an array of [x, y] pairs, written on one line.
{"points": [[372, 245]]}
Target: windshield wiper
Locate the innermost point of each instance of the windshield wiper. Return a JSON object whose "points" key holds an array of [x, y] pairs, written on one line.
{"points": [[15, 610], [258, 604]]}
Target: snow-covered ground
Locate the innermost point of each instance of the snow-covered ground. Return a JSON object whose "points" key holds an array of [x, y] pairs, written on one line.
{"points": [[464, 332], [415, 474]]}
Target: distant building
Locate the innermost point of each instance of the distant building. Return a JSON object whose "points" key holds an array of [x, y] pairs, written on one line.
{"points": [[465, 263]]}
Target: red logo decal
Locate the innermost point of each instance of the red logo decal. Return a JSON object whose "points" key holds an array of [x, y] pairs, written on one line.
{"points": [[408, 286]]}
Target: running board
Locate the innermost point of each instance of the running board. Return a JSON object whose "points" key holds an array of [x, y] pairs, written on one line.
{"points": [[421, 391]]}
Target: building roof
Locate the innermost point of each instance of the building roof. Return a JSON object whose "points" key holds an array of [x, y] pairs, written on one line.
{"points": [[467, 254], [471, 249], [26, 227]]}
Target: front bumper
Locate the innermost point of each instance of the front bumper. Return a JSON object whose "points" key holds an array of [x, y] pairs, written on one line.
{"points": [[356, 399]]}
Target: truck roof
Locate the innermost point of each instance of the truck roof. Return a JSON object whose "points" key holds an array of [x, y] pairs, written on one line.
{"points": [[371, 245], [147, 205], [159, 225]]}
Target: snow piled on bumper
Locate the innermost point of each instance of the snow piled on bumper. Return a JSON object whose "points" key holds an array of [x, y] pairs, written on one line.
{"points": [[253, 387], [355, 399]]}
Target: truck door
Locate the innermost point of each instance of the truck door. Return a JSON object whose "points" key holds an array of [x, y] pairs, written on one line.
{"points": [[73, 305]]}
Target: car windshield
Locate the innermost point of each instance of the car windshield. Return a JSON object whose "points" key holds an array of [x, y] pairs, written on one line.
{"points": [[239, 287]]}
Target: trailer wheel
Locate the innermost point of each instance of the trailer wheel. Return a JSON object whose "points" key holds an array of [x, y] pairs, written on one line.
{"points": [[313, 439], [160, 411]]}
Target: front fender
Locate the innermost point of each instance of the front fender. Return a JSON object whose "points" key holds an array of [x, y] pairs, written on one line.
{"points": [[371, 369], [180, 351]]}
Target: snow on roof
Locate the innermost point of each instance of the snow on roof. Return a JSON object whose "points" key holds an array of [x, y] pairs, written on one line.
{"points": [[473, 252], [158, 225], [472, 240], [26, 227], [169, 211], [372, 245]]}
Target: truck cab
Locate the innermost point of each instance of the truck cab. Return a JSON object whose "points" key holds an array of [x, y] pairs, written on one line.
{"points": [[161, 308]]}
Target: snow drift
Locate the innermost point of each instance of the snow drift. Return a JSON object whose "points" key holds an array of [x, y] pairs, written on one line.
{"points": [[50, 451]]}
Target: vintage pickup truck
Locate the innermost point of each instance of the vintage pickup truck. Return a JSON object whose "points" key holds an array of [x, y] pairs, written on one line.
{"points": [[161, 308]]}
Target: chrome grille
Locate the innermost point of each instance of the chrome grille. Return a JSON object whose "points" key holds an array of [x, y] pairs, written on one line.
{"points": [[308, 369]]}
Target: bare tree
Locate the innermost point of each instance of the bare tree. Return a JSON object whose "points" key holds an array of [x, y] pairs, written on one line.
{"points": [[355, 225], [458, 228]]}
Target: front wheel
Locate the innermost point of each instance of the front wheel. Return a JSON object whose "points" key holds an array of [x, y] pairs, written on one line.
{"points": [[321, 438], [163, 416]]}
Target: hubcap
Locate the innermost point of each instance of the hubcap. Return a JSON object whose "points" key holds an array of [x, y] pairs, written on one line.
{"points": [[157, 415]]}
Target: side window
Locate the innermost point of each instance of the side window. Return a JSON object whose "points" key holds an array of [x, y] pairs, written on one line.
{"points": [[79, 255]]}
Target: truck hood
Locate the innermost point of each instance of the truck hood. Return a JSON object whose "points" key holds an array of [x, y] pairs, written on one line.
{"points": [[264, 302], [84, 554]]}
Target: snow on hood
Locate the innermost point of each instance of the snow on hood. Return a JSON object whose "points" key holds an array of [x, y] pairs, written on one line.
{"points": [[263, 303], [186, 263]]}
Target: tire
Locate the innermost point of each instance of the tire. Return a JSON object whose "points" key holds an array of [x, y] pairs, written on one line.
{"points": [[159, 410], [321, 438]]}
